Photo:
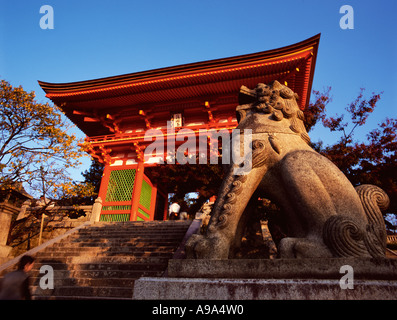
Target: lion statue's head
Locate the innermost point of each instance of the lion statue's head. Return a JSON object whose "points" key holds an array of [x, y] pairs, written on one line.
{"points": [[275, 99]]}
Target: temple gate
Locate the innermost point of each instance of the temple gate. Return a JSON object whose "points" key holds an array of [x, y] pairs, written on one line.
{"points": [[117, 113]]}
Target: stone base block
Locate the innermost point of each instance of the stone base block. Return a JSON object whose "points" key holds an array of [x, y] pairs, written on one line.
{"points": [[281, 279], [260, 289], [325, 268]]}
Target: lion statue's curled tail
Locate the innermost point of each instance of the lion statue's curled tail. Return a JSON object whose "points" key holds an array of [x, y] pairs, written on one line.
{"points": [[345, 239]]}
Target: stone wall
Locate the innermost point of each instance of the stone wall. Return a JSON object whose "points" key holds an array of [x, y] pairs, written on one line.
{"points": [[55, 224]]}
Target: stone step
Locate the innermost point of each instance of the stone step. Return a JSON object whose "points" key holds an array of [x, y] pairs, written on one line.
{"points": [[119, 235], [109, 248], [103, 245], [139, 227], [105, 250], [115, 239], [142, 256], [61, 257], [133, 228], [131, 231], [93, 251], [118, 242], [58, 297], [144, 265], [67, 260], [137, 259], [144, 224], [91, 282], [100, 274], [103, 261], [116, 292]]}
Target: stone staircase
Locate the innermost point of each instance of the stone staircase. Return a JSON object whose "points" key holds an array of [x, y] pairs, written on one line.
{"points": [[102, 261]]}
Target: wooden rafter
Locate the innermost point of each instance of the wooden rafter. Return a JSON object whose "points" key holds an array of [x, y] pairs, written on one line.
{"points": [[139, 151], [210, 115], [147, 118]]}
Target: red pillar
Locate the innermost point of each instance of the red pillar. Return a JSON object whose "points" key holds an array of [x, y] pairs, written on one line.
{"points": [[104, 183], [153, 201], [165, 217], [136, 193]]}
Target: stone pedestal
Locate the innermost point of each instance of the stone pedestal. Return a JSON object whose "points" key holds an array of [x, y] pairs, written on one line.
{"points": [[6, 212], [296, 279]]}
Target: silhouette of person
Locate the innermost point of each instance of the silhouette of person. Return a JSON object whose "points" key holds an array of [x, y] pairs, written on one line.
{"points": [[174, 211], [15, 285]]}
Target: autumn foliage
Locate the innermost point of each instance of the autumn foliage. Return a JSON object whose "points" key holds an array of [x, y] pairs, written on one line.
{"points": [[36, 146], [372, 161]]}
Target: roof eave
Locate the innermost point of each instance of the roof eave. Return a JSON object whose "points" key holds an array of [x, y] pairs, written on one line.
{"points": [[58, 88]]}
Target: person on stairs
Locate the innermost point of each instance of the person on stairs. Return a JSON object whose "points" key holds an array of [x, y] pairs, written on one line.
{"points": [[174, 211], [15, 285]]}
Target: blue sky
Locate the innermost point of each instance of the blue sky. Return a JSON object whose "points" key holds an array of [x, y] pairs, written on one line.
{"points": [[93, 39]]}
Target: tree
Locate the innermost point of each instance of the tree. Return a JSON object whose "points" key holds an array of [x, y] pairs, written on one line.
{"points": [[93, 177], [36, 147], [363, 162], [316, 108], [94, 174]]}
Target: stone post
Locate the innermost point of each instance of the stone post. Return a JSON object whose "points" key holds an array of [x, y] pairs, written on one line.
{"points": [[6, 212], [96, 210]]}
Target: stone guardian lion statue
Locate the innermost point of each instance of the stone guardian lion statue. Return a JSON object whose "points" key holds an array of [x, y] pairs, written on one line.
{"points": [[327, 216]]}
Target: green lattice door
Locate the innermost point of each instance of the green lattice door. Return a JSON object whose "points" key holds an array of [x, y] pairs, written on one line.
{"points": [[117, 205], [145, 210]]}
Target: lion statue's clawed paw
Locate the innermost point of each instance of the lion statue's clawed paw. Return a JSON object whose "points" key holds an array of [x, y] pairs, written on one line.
{"points": [[201, 247]]}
